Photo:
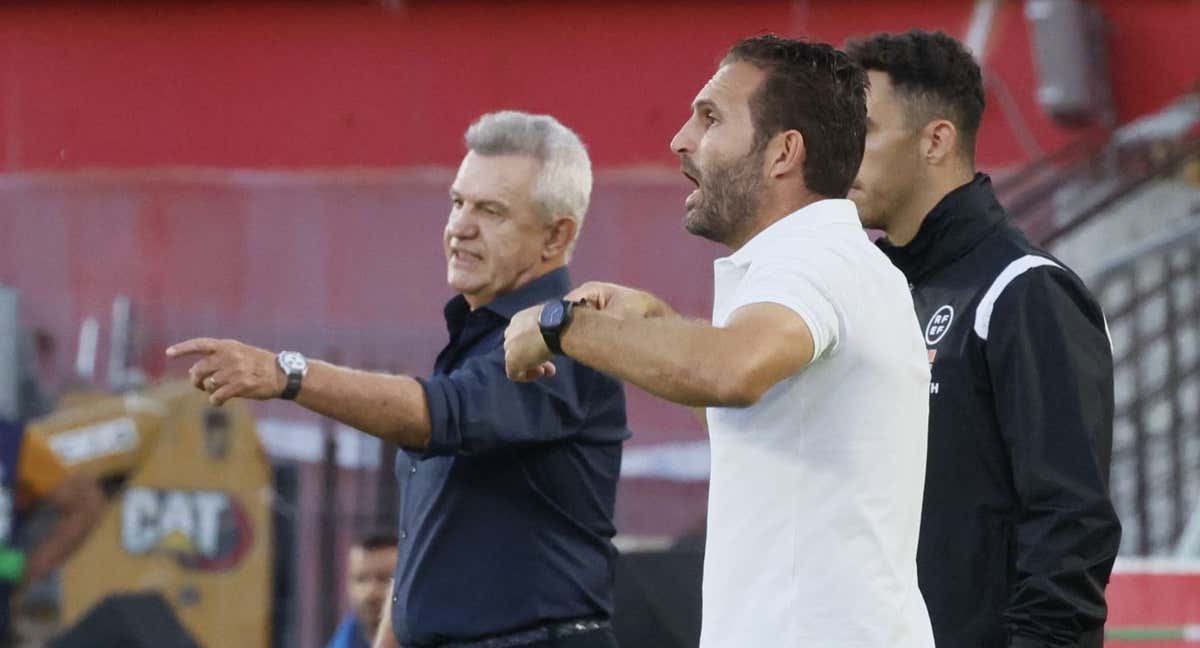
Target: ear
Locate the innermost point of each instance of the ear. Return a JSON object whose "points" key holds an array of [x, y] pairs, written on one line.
{"points": [[785, 154], [559, 236], [939, 141]]}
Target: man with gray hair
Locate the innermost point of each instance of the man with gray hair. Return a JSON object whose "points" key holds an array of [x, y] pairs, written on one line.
{"points": [[506, 489]]}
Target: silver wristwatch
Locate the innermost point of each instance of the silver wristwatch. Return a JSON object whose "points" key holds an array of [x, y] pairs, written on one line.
{"points": [[295, 367]]}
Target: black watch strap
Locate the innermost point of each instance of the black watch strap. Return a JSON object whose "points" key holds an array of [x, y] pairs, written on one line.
{"points": [[552, 335], [293, 386]]}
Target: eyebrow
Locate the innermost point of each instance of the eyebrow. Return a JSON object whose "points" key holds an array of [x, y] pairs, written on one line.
{"points": [[701, 104], [456, 195], [496, 204]]}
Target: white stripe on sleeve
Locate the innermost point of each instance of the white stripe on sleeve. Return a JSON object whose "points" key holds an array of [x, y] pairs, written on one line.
{"points": [[983, 314]]}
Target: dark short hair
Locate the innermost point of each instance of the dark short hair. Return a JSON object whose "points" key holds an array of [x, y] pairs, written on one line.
{"points": [[817, 90], [377, 539], [935, 73]]}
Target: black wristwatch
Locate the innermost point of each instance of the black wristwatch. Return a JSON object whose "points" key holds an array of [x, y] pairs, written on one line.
{"points": [[555, 318], [294, 366]]}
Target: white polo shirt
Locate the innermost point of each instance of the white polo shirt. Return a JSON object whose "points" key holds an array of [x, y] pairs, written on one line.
{"points": [[815, 495]]}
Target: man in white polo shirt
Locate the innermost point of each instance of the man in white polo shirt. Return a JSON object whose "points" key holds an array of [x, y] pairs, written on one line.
{"points": [[813, 369]]}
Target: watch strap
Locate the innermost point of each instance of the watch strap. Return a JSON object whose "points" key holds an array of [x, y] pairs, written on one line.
{"points": [[552, 335], [293, 386]]}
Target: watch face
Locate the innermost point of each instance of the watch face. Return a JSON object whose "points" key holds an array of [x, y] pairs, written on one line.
{"points": [[292, 362], [552, 315]]}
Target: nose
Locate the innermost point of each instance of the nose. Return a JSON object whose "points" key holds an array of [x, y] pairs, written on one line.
{"points": [[461, 224], [684, 141]]}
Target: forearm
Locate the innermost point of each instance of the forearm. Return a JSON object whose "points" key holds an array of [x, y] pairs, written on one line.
{"points": [[1067, 532], [54, 550], [390, 407], [81, 504], [680, 360], [659, 308], [1063, 562]]}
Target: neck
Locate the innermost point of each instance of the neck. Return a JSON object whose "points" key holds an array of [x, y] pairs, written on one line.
{"points": [[772, 212], [483, 298], [907, 222]]}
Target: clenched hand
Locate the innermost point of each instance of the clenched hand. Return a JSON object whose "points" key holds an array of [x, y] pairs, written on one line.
{"points": [[526, 356]]}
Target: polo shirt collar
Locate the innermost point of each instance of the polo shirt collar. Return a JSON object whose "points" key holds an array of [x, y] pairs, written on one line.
{"points": [[552, 285], [829, 211]]}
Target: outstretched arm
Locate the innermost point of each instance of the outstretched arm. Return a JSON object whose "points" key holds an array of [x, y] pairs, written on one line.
{"points": [[390, 407], [684, 361]]}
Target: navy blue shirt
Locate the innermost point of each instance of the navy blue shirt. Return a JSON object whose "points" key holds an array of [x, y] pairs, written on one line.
{"points": [[506, 517]]}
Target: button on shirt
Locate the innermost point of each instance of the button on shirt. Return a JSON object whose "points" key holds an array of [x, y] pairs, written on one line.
{"points": [[815, 493], [506, 517]]}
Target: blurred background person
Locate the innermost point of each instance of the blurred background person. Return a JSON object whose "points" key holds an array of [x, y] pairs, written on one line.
{"points": [[370, 564], [32, 475]]}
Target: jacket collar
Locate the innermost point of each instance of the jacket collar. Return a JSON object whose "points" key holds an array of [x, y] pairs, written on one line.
{"points": [[962, 219]]}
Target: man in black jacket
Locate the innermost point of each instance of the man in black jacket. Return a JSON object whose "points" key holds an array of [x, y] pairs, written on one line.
{"points": [[1018, 533]]}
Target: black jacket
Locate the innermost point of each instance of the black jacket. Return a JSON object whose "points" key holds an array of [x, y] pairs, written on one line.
{"points": [[1018, 534]]}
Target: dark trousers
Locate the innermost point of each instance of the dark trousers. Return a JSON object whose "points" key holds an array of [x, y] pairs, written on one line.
{"points": [[603, 638], [598, 639]]}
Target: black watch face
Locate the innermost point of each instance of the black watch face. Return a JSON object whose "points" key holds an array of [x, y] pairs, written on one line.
{"points": [[552, 315]]}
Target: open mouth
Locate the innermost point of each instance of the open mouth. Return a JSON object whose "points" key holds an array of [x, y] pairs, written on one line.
{"points": [[695, 195]]}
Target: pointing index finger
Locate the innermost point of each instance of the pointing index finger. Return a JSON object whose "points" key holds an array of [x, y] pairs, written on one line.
{"points": [[192, 347]]}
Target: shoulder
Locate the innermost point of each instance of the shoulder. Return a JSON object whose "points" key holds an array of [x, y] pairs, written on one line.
{"points": [[811, 258], [1027, 285]]}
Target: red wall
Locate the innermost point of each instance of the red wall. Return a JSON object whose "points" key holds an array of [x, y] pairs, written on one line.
{"points": [[336, 84], [349, 84]]}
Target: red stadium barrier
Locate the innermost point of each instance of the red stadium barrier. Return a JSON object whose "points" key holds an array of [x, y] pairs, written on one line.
{"points": [[1154, 604]]}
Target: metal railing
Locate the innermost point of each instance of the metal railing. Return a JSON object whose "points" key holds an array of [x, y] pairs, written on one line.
{"points": [[1151, 296], [1099, 176]]}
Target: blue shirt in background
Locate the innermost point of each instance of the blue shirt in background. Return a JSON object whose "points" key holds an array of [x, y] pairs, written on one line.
{"points": [[350, 634]]}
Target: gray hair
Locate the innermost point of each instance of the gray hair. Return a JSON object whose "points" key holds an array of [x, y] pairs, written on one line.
{"points": [[564, 184]]}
